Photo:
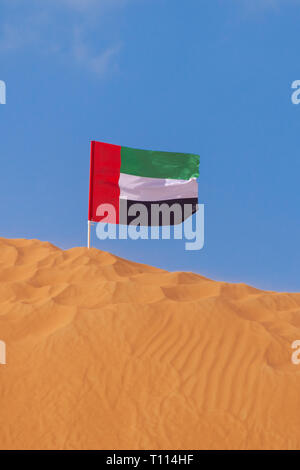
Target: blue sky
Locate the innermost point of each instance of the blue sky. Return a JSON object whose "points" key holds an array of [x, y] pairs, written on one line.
{"points": [[208, 77]]}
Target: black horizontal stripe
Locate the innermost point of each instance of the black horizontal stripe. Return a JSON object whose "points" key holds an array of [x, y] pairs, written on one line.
{"points": [[157, 213]]}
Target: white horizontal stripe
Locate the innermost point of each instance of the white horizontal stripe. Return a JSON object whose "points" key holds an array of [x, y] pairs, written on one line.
{"points": [[140, 188]]}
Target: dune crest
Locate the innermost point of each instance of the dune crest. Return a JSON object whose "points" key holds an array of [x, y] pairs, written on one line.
{"points": [[104, 353]]}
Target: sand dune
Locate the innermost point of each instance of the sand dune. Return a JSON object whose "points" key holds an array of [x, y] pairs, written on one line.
{"points": [[103, 353]]}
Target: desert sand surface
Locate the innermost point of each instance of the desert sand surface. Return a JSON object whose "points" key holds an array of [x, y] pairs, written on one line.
{"points": [[104, 353]]}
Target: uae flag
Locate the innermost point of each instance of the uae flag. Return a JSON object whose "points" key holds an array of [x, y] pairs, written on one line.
{"points": [[132, 180]]}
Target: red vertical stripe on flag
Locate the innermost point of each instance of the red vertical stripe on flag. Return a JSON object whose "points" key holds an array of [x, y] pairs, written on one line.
{"points": [[104, 178]]}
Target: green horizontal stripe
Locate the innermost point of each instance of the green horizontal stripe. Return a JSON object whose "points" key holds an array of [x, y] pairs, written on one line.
{"points": [[153, 164]]}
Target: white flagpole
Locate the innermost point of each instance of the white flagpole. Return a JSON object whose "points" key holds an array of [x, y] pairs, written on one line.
{"points": [[89, 235]]}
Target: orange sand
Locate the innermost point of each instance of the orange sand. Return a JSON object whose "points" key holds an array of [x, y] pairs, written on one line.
{"points": [[103, 353]]}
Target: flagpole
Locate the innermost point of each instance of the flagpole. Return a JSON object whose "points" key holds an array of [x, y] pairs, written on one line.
{"points": [[89, 235], [90, 216]]}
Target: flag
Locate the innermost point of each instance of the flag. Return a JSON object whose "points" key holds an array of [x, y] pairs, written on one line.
{"points": [[129, 179]]}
